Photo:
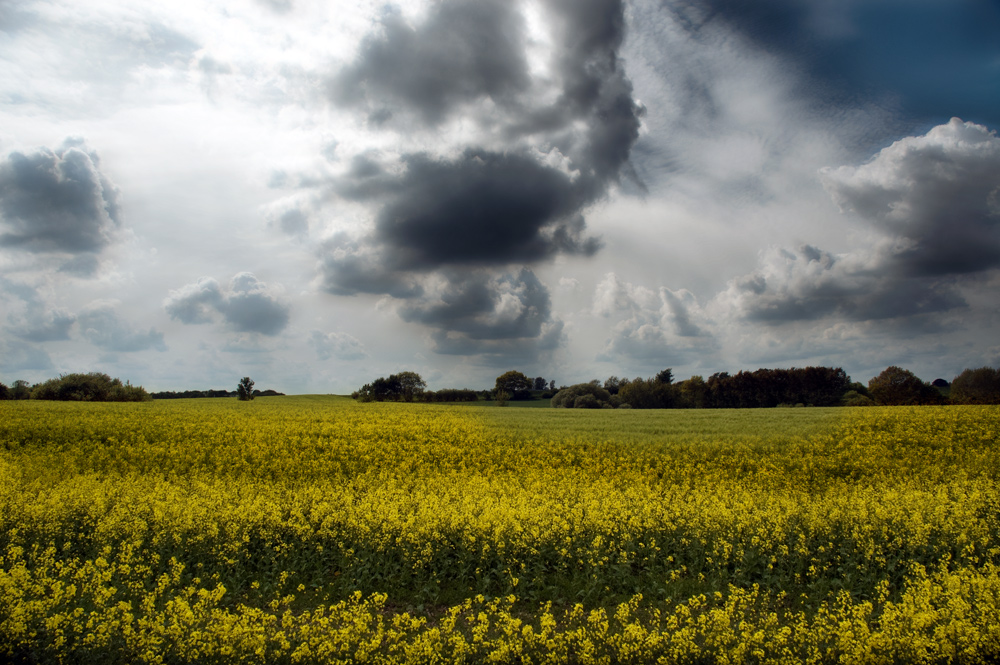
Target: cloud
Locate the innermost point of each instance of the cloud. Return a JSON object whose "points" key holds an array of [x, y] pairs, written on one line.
{"points": [[33, 320], [510, 129], [17, 356], [100, 324], [809, 284], [933, 202], [940, 193], [482, 208], [663, 326], [465, 51], [483, 313], [336, 345], [247, 306], [58, 202]]}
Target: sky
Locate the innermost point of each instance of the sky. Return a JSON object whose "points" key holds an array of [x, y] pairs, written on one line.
{"points": [[315, 194]]}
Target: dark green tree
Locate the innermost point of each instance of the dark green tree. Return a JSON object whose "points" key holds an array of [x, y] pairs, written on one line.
{"points": [[976, 386], [896, 386], [514, 383], [244, 389], [410, 385]]}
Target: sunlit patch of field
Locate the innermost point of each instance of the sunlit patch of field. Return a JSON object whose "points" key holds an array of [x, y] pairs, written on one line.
{"points": [[312, 529]]}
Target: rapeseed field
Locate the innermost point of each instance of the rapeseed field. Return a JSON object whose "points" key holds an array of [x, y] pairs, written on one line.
{"points": [[319, 530]]}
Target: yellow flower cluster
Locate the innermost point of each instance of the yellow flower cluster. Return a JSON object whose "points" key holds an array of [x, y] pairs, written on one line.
{"points": [[316, 529]]}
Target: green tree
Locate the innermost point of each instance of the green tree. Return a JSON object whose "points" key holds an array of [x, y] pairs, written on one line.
{"points": [[410, 384], [514, 383], [20, 390], [976, 386], [244, 389], [896, 386]]}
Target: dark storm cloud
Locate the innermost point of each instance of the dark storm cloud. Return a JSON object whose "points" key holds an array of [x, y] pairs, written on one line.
{"points": [[569, 132], [57, 202], [248, 305], [101, 325], [466, 50], [482, 208]]}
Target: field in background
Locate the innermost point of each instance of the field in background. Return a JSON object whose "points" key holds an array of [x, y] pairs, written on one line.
{"points": [[307, 529]]}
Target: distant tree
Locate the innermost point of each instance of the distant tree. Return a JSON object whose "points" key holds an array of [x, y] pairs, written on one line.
{"points": [[244, 389], [539, 383], [665, 376], [410, 384], [898, 386], [976, 386], [647, 394], [552, 384], [4, 391], [693, 393], [20, 390], [514, 383], [612, 384], [501, 397]]}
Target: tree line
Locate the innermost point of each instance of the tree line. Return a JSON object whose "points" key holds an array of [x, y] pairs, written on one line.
{"points": [[762, 388], [77, 387], [100, 387]]}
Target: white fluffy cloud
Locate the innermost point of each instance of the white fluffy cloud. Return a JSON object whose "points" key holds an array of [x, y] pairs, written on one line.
{"points": [[247, 306], [664, 327]]}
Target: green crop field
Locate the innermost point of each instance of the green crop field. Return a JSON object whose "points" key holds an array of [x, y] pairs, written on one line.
{"points": [[316, 529]]}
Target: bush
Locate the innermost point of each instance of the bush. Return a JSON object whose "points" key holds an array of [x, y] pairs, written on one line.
{"points": [[581, 396], [92, 387]]}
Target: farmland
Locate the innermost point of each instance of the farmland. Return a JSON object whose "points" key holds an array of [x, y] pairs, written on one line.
{"points": [[316, 529]]}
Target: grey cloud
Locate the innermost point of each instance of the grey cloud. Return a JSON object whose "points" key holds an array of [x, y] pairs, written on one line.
{"points": [[489, 315], [348, 267], [195, 303], [44, 326], [248, 306], [940, 192], [466, 50], [102, 327], [482, 207], [503, 352], [17, 356], [336, 345], [58, 202], [860, 286], [934, 199], [486, 307], [35, 321]]}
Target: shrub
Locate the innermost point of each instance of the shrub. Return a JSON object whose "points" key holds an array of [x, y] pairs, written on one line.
{"points": [[575, 397], [92, 387]]}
